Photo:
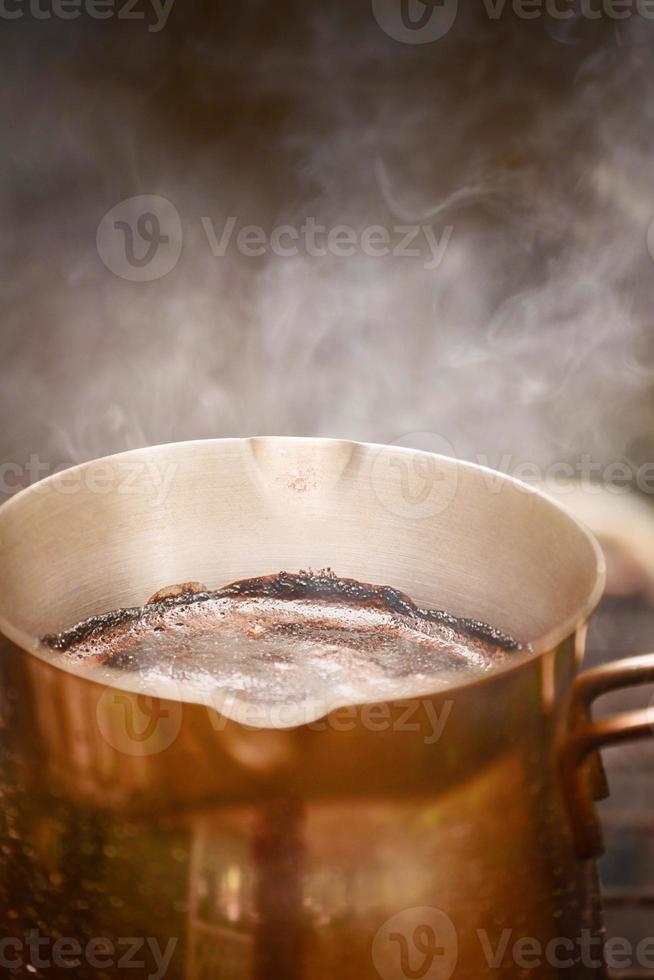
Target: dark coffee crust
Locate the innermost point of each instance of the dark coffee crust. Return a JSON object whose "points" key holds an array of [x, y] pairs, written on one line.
{"points": [[323, 585]]}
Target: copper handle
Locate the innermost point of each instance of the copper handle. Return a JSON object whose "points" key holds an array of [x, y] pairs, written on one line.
{"points": [[581, 772]]}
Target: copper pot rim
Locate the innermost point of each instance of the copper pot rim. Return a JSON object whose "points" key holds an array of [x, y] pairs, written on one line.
{"points": [[562, 632]]}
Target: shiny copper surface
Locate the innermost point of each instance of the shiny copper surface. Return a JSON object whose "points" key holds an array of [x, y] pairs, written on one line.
{"points": [[268, 850]]}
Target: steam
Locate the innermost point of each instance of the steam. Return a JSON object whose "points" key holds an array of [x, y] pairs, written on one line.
{"points": [[532, 336]]}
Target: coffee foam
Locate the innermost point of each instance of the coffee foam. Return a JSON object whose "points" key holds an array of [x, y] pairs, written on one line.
{"points": [[286, 649]]}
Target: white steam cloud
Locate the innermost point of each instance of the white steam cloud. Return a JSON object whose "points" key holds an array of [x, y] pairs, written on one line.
{"points": [[532, 336]]}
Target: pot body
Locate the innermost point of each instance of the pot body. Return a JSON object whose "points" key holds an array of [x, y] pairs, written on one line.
{"points": [[300, 853], [423, 837]]}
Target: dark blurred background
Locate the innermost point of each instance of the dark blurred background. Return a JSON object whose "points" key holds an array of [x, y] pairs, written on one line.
{"points": [[523, 144]]}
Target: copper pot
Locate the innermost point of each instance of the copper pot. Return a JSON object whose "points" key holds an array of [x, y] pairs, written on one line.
{"points": [[402, 838]]}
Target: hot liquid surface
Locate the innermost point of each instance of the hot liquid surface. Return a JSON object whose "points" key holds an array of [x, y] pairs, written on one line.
{"points": [[287, 641]]}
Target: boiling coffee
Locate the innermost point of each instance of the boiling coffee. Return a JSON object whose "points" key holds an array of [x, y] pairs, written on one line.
{"points": [[288, 639]]}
